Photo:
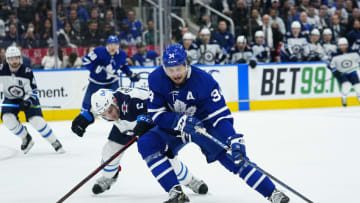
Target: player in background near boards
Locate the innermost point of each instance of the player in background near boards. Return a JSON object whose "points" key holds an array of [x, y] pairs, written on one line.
{"points": [[105, 65], [124, 108], [19, 87], [344, 65], [181, 98]]}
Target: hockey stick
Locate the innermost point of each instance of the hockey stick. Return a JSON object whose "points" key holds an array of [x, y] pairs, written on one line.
{"points": [[92, 174], [206, 134], [35, 107]]}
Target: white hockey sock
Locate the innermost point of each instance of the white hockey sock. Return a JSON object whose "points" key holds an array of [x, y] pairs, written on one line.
{"points": [[181, 170], [109, 149], [345, 88], [11, 122], [43, 128], [357, 90]]}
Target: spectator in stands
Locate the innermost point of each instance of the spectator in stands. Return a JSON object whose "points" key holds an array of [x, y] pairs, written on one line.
{"points": [[100, 4], [144, 57], [260, 50], [224, 6], [255, 22], [2, 55], [4, 10], [190, 47], [132, 38], [349, 7], [2, 29], [30, 39], [75, 22], [277, 40], [295, 44], [313, 19], [340, 11], [72, 61], [37, 22], [305, 26], [258, 6], [223, 37], [274, 18], [316, 51], [304, 6], [81, 11], [48, 62], [337, 29], [125, 47], [149, 35], [328, 44], [61, 14], [94, 16], [294, 16], [135, 25], [108, 29], [12, 19], [12, 37], [324, 17], [42, 8], [284, 11], [109, 18], [49, 15], [93, 35], [275, 4], [25, 12], [272, 35], [209, 51], [241, 53], [67, 36], [355, 15], [354, 34], [46, 35], [240, 18]]}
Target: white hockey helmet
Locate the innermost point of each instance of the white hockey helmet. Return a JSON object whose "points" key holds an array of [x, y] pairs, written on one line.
{"points": [[205, 31], [241, 39], [188, 35], [343, 41], [315, 32], [259, 33], [11, 52], [101, 100], [295, 24], [327, 31]]}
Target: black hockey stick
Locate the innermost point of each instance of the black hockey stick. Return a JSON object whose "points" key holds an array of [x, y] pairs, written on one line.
{"points": [[35, 107], [206, 134], [92, 174]]}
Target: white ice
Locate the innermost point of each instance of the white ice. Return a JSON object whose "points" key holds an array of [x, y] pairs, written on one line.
{"points": [[315, 151]]}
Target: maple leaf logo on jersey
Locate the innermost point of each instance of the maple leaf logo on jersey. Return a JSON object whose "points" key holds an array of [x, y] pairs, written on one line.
{"points": [[181, 107]]}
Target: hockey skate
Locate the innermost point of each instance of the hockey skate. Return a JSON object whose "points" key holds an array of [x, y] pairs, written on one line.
{"points": [[104, 183], [343, 101], [198, 186], [176, 195], [278, 197], [58, 147], [27, 144]]}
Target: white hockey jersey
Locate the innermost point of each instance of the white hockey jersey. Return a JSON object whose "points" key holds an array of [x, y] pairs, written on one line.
{"points": [[261, 52], [317, 51], [345, 63], [210, 53], [240, 56], [330, 49], [297, 46]]}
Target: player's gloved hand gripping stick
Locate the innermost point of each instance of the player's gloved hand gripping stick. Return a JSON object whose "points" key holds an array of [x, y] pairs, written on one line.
{"points": [[144, 123], [206, 134]]}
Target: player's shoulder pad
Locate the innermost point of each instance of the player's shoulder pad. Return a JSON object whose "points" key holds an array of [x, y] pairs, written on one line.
{"points": [[158, 80], [152, 54], [132, 92], [194, 46], [202, 81]]}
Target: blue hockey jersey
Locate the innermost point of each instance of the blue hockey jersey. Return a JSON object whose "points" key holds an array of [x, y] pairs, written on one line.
{"points": [[148, 59], [104, 68], [200, 97]]}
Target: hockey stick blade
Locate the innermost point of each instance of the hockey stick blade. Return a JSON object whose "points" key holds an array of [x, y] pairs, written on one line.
{"points": [[35, 107], [92, 174], [206, 134]]}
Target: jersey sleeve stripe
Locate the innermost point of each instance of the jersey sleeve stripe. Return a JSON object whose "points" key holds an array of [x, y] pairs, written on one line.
{"points": [[215, 113], [157, 114], [156, 110], [219, 119]]}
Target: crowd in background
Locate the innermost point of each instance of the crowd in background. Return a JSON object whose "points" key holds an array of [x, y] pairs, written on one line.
{"points": [[264, 29]]}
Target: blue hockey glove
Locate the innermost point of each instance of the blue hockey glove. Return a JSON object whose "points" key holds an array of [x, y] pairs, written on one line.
{"points": [[186, 125], [25, 105], [134, 77], [237, 144], [143, 124]]}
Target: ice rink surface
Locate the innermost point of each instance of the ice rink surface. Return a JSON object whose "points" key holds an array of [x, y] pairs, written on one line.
{"points": [[314, 150]]}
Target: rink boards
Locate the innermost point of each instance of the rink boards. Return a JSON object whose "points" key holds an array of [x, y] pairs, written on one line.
{"points": [[268, 86]]}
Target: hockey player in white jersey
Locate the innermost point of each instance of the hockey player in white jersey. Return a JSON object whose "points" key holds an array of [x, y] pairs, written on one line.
{"points": [[209, 50], [295, 45], [316, 51], [124, 108], [241, 53], [191, 48], [20, 89], [328, 44], [260, 50], [344, 66]]}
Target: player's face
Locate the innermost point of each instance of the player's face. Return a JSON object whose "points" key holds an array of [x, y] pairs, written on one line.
{"points": [[177, 74], [240, 45], [187, 43], [205, 38], [112, 113], [343, 47], [112, 48], [295, 31], [314, 38], [259, 40], [327, 38], [14, 63]]}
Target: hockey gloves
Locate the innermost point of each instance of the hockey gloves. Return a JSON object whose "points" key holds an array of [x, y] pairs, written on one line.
{"points": [[25, 105], [186, 125], [81, 122], [143, 124], [237, 144], [134, 77], [252, 63]]}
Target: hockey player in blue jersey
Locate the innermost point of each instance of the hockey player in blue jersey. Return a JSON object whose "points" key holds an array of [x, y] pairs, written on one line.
{"points": [[124, 107], [344, 65], [19, 87], [105, 65], [182, 97], [144, 57]]}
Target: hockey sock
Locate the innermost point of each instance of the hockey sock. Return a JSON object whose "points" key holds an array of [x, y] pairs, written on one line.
{"points": [[109, 149], [11, 122], [43, 128], [183, 175]]}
